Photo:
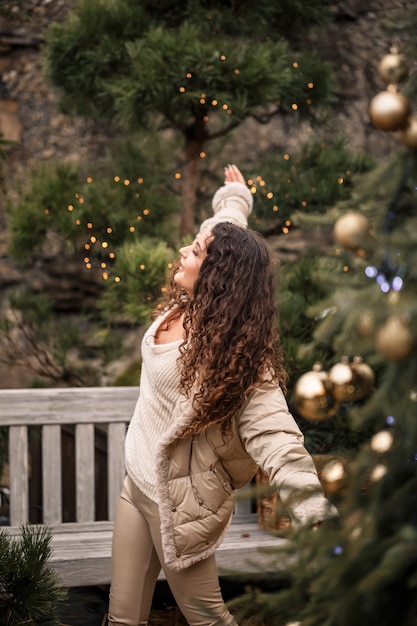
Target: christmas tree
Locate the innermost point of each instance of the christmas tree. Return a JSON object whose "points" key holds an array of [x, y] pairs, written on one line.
{"points": [[362, 568]]}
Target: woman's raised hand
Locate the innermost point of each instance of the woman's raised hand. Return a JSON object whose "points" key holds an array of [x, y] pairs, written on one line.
{"points": [[232, 174]]}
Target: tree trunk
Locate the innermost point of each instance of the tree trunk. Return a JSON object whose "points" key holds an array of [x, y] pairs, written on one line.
{"points": [[189, 187]]}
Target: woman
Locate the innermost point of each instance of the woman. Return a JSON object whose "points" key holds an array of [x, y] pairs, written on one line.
{"points": [[211, 410]]}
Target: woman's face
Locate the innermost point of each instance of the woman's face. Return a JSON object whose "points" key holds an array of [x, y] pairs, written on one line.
{"points": [[192, 257]]}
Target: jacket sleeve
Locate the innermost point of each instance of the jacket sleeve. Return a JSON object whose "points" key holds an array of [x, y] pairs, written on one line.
{"points": [[273, 439], [232, 202]]}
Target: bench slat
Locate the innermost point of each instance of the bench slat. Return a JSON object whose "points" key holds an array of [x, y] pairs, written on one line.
{"points": [[67, 405], [84, 472], [52, 474], [115, 465], [19, 475]]}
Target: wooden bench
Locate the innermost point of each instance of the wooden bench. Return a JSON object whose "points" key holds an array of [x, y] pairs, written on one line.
{"points": [[81, 547]]}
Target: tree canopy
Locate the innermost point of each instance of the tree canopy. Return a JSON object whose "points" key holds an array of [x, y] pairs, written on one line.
{"points": [[198, 67]]}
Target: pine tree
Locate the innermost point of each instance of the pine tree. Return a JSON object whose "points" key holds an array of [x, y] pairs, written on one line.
{"points": [[198, 67], [30, 592]]}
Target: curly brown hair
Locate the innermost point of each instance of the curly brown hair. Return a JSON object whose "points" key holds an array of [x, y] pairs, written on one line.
{"points": [[231, 340]]}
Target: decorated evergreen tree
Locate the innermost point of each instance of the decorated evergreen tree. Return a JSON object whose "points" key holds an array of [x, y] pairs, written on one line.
{"points": [[362, 568]]}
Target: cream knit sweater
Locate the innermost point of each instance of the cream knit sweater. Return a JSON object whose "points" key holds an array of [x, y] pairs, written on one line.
{"points": [[159, 393]]}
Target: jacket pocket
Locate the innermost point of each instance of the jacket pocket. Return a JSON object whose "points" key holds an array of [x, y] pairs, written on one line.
{"points": [[211, 488]]}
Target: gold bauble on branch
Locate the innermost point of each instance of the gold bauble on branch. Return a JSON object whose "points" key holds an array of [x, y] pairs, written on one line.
{"points": [[394, 339], [341, 377], [390, 110], [364, 378], [351, 381], [352, 231], [393, 68], [312, 395], [408, 136], [333, 476], [366, 323]]}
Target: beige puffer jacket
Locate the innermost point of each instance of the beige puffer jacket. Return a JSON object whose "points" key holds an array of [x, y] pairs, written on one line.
{"points": [[196, 476]]}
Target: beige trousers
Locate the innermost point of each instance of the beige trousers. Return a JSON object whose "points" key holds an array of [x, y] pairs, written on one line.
{"points": [[137, 559]]}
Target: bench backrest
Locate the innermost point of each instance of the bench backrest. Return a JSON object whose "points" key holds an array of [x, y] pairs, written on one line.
{"points": [[83, 409], [86, 411]]}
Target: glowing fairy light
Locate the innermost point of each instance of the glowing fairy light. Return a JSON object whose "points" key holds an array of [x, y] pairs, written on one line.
{"points": [[89, 180], [126, 182], [116, 179], [181, 89], [371, 271], [177, 175], [397, 283], [104, 244], [70, 207], [294, 106], [117, 279], [286, 157]]}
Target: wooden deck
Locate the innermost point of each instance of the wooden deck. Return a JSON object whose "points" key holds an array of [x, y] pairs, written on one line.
{"points": [[82, 546]]}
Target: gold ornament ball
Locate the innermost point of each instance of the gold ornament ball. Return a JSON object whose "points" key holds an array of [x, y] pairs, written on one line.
{"points": [[393, 68], [312, 398], [366, 323], [341, 377], [364, 379], [333, 476], [394, 339], [390, 110], [408, 136], [352, 231]]}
